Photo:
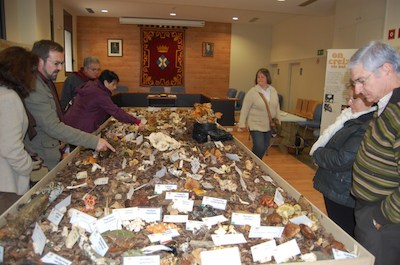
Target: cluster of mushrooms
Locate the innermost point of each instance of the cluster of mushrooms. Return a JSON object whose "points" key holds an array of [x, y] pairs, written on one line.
{"points": [[165, 197]]}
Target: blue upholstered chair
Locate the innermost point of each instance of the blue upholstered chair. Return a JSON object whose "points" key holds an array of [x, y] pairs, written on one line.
{"points": [[231, 93], [240, 97], [157, 89], [178, 89], [313, 124]]}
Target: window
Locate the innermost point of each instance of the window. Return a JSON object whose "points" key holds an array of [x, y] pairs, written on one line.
{"points": [[68, 43]]}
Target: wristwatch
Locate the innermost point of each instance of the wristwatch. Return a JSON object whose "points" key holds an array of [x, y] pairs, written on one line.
{"points": [[377, 226]]}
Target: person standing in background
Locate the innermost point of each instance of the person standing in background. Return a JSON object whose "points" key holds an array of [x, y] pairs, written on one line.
{"points": [[45, 108], [93, 105], [334, 153], [254, 114], [375, 73], [17, 74], [89, 71]]}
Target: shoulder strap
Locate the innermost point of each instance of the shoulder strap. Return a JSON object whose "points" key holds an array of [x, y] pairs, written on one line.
{"points": [[267, 106]]}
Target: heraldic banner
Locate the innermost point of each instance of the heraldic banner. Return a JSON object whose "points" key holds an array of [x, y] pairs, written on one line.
{"points": [[162, 57]]}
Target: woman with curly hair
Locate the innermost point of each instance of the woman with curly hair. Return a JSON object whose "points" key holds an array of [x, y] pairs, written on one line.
{"points": [[17, 73]]}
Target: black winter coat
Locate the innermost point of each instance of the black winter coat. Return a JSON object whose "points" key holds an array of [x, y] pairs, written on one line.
{"points": [[335, 161]]}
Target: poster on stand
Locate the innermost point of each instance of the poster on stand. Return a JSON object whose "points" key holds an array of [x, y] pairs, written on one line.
{"points": [[336, 79]]}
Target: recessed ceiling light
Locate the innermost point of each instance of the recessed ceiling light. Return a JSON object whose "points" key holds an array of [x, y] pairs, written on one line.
{"points": [[104, 11], [235, 18], [173, 14], [281, 0]]}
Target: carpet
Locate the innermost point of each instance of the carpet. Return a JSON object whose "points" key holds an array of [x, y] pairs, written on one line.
{"points": [[162, 60]]}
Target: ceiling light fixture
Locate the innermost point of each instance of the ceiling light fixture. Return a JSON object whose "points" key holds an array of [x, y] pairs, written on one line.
{"points": [[161, 22], [172, 14], [235, 18], [104, 11]]}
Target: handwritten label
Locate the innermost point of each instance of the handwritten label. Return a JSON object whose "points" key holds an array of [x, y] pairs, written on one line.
{"points": [[55, 216], [64, 203], [127, 214], [101, 181], [338, 254], [108, 223], [175, 218], [214, 202], [83, 220], [210, 221], [245, 219], [228, 239], [183, 205], [98, 243], [266, 232], [176, 195], [150, 214], [160, 188], [192, 225]]}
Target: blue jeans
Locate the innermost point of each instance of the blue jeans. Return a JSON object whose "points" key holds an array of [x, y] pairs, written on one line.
{"points": [[261, 142]]}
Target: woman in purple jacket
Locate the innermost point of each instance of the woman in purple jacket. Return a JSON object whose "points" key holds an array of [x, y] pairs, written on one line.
{"points": [[92, 105]]}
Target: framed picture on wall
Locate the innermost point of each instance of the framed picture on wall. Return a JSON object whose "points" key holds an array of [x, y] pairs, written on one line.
{"points": [[114, 48], [208, 49]]}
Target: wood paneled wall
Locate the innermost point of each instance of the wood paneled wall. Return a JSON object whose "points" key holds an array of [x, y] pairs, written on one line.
{"points": [[208, 75]]}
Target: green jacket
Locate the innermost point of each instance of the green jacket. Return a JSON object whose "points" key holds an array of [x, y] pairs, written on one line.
{"points": [[50, 130]]}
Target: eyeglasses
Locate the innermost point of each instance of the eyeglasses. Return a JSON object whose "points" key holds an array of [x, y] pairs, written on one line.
{"points": [[56, 63], [362, 80]]}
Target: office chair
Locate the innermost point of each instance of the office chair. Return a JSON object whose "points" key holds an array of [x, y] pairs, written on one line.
{"points": [[313, 124], [156, 89], [231, 93], [178, 89], [239, 103]]}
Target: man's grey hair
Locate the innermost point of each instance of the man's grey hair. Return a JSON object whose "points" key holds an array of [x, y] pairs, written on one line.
{"points": [[374, 55], [90, 60]]}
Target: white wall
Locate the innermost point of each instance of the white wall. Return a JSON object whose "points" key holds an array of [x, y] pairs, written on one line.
{"points": [[250, 50], [30, 20], [392, 22]]}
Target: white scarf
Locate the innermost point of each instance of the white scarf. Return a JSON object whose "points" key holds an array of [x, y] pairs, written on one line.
{"points": [[327, 134]]}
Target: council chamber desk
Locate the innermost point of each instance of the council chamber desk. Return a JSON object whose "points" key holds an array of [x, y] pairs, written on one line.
{"points": [[224, 105]]}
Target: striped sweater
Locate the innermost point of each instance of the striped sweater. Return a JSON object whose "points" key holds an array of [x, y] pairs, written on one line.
{"points": [[376, 171]]}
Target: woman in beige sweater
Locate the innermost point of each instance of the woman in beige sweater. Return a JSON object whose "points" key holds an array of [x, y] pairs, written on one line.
{"points": [[254, 114]]}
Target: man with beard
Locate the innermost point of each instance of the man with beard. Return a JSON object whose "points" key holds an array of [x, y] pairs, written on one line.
{"points": [[46, 127]]}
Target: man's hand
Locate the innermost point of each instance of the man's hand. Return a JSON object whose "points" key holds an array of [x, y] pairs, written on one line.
{"points": [[103, 145]]}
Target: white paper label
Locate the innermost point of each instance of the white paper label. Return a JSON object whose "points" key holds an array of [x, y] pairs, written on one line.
{"points": [[338, 254], [302, 220], [160, 188], [228, 239], [183, 205], [195, 165], [263, 252], [176, 195], [210, 221], [81, 175], [174, 157], [192, 225], [142, 260], [64, 203], [139, 139], [39, 239], [150, 214], [101, 181], [285, 251], [55, 216], [108, 223], [83, 220], [245, 219], [175, 218], [266, 232], [229, 256], [99, 245], [278, 198], [214, 202], [127, 214]]}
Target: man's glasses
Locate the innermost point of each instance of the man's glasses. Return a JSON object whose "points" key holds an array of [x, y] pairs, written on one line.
{"points": [[362, 80]]}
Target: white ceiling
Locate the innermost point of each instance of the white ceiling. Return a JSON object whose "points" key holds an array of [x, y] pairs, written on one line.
{"points": [[268, 12]]}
